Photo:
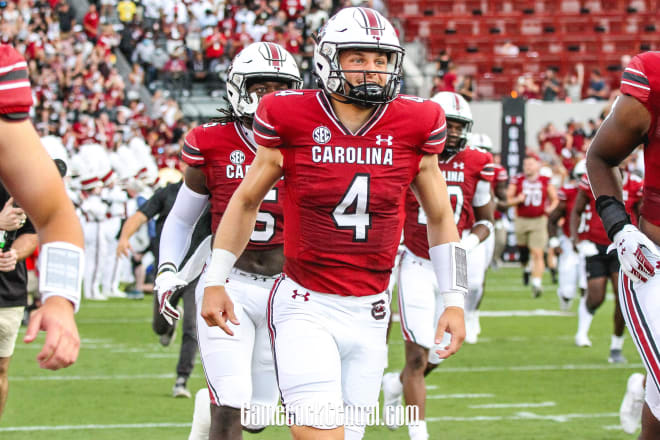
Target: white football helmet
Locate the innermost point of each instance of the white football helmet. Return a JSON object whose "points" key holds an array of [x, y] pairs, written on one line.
{"points": [[456, 109], [358, 28], [481, 140], [259, 62]]}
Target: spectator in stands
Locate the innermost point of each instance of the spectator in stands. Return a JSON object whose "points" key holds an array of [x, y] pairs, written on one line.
{"points": [[466, 88], [573, 84], [126, 10], [507, 49], [214, 47], [598, 88], [66, 18], [450, 79], [526, 87], [198, 68], [442, 63], [551, 85], [91, 23]]}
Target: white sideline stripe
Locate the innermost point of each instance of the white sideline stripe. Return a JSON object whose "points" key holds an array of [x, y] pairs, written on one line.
{"points": [[537, 368], [522, 313], [100, 377], [513, 405], [613, 427], [87, 427], [459, 396], [560, 418]]}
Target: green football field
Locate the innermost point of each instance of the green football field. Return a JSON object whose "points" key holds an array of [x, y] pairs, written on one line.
{"points": [[525, 379]]}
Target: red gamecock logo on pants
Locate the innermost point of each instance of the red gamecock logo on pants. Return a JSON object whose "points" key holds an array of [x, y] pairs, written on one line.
{"points": [[378, 309]]}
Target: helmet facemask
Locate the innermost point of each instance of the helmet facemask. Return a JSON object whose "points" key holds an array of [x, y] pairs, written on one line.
{"points": [[456, 144], [366, 94]]}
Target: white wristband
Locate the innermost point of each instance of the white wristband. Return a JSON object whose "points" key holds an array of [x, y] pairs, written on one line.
{"points": [[221, 264], [61, 267], [449, 261]]}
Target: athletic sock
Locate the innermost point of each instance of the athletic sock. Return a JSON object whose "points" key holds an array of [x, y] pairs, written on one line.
{"points": [[584, 317], [536, 282], [617, 343], [418, 431]]}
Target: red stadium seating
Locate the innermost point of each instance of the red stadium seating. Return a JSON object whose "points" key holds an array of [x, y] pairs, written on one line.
{"points": [[548, 33]]}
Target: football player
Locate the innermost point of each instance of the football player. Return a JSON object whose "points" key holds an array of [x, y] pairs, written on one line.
{"points": [[347, 152], [46, 203], [571, 263], [534, 197], [238, 366], [633, 120], [591, 239], [468, 172]]}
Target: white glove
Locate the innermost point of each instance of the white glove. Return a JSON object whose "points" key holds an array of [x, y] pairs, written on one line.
{"points": [[470, 242], [587, 248], [166, 284], [629, 242]]}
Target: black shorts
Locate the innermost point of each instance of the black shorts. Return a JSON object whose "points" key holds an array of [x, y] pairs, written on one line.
{"points": [[602, 264]]}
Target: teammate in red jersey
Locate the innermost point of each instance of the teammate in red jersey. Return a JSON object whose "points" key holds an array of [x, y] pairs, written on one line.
{"points": [[47, 205], [468, 172], [633, 121], [571, 264], [238, 366], [348, 153], [534, 198]]}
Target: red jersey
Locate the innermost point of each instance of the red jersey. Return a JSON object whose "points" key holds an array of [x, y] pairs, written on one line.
{"points": [[633, 190], [641, 80], [224, 153], [15, 94], [500, 176], [591, 227], [345, 191], [462, 173], [536, 195], [567, 194]]}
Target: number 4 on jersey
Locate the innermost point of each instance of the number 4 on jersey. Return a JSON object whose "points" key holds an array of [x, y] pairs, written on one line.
{"points": [[352, 210]]}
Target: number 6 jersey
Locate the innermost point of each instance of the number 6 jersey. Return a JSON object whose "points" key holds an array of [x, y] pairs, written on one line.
{"points": [[345, 191]]}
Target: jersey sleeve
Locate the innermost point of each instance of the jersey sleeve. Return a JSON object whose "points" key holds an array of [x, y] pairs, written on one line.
{"points": [[265, 125], [191, 152], [435, 140], [487, 172], [501, 175], [15, 92], [561, 194], [634, 81], [155, 204]]}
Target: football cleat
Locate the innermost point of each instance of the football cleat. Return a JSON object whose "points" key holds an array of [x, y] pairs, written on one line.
{"points": [[616, 357], [630, 413], [582, 340], [392, 394], [180, 390], [537, 292]]}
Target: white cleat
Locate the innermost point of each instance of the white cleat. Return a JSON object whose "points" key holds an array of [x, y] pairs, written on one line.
{"points": [[630, 413], [392, 394], [582, 340]]}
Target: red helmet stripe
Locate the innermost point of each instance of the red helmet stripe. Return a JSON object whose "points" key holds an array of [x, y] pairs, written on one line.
{"points": [[458, 103], [372, 22], [275, 55]]}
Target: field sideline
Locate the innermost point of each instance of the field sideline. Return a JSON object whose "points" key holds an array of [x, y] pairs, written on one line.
{"points": [[525, 379]]}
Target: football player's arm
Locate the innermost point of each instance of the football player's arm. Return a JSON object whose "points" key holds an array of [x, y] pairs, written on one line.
{"points": [[581, 201], [234, 233], [484, 215], [447, 256], [553, 200], [130, 227], [620, 133], [511, 198], [47, 205]]}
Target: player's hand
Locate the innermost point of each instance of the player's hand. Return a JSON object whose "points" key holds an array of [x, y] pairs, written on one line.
{"points": [[452, 321], [629, 243], [11, 217], [218, 308], [166, 284], [553, 243], [8, 260], [124, 247], [55, 317]]}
